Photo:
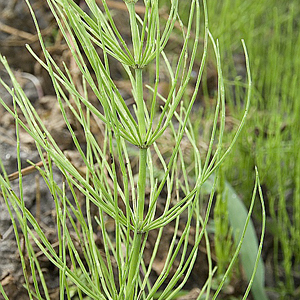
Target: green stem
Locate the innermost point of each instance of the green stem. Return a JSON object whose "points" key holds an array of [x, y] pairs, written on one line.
{"points": [[138, 71], [141, 186], [137, 240], [140, 103], [139, 213], [134, 265]]}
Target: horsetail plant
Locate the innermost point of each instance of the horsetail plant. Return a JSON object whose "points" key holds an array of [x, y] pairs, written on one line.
{"points": [[133, 202]]}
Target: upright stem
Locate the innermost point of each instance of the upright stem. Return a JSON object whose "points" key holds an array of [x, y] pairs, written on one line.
{"points": [[134, 265], [137, 239], [139, 70], [140, 102], [139, 213], [141, 186]]}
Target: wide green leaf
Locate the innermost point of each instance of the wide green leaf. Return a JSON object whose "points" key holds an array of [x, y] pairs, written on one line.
{"points": [[237, 214]]}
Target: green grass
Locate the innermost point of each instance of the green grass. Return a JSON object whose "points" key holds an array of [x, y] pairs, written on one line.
{"points": [[270, 139]]}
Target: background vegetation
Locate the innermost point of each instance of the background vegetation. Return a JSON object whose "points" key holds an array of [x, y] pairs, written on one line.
{"points": [[270, 139]]}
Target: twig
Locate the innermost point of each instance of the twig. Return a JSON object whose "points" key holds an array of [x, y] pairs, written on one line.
{"points": [[20, 33], [25, 171]]}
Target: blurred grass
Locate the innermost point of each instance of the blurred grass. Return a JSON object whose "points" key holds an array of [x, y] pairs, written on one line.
{"points": [[270, 139]]}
